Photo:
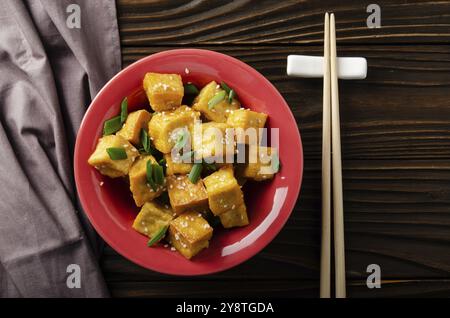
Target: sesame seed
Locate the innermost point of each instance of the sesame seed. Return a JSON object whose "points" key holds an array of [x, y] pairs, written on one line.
{"points": [[173, 249], [101, 184], [186, 70]]}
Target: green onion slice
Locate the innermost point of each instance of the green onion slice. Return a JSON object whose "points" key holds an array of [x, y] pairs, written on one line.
{"points": [[225, 87], [158, 236], [210, 166], [112, 125], [150, 180], [117, 153], [124, 110], [158, 174], [145, 141], [163, 164], [190, 89], [220, 96], [196, 170], [231, 95], [181, 140], [275, 163]]}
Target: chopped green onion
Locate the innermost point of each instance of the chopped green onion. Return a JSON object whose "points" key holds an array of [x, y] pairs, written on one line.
{"points": [[275, 163], [145, 140], [231, 95], [164, 198], [181, 140], [220, 96], [210, 166], [190, 89], [225, 87], [124, 110], [150, 180], [117, 153], [112, 125], [163, 164], [195, 172], [158, 236], [158, 174]]}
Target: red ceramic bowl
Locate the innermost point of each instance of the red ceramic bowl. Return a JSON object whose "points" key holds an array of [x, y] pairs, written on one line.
{"points": [[110, 207]]}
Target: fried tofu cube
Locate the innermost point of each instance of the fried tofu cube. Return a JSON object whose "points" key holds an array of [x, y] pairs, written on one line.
{"points": [[246, 124], [176, 166], [219, 112], [190, 233], [261, 163], [141, 190], [184, 195], [152, 218], [234, 217], [164, 91], [165, 127], [104, 164], [214, 141], [131, 129], [224, 193]]}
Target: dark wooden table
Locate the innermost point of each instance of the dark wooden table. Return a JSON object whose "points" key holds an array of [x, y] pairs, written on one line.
{"points": [[395, 140]]}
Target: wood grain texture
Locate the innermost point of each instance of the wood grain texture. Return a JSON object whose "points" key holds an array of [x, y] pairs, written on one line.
{"points": [[395, 140], [253, 289], [147, 23]]}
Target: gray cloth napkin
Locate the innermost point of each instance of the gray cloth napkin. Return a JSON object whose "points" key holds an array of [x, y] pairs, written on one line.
{"points": [[49, 72]]}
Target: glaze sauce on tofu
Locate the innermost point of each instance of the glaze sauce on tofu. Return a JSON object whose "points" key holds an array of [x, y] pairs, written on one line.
{"points": [[186, 184]]}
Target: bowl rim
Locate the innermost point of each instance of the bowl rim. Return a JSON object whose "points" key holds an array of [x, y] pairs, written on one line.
{"points": [[257, 247]]}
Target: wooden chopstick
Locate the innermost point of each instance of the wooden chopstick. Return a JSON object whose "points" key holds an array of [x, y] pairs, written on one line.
{"points": [[338, 216], [325, 258]]}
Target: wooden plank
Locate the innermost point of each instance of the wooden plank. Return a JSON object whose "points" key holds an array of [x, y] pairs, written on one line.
{"points": [[397, 215], [279, 288], [401, 111], [151, 22]]}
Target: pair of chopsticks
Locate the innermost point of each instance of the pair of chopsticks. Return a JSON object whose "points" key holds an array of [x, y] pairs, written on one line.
{"points": [[331, 178]]}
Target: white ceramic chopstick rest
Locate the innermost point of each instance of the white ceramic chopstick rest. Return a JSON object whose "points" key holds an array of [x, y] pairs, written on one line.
{"points": [[312, 67]]}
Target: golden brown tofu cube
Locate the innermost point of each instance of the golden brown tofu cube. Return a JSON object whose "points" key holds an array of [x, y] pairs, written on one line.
{"points": [[177, 166], [131, 129], [152, 218], [219, 112], [165, 127], [104, 164], [184, 195], [224, 193], [234, 217], [214, 141], [260, 165], [164, 91], [141, 190], [190, 233], [247, 123]]}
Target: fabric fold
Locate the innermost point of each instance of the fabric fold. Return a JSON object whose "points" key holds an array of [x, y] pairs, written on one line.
{"points": [[49, 74]]}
